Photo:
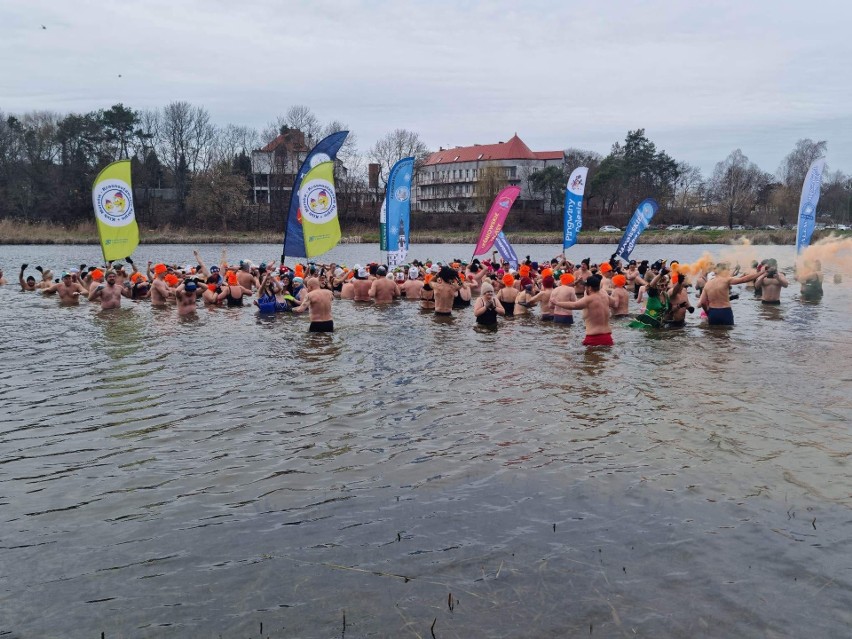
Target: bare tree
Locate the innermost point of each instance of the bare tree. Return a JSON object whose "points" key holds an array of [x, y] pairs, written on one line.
{"points": [[185, 144], [736, 185], [302, 118], [795, 166], [233, 140], [688, 187], [394, 146]]}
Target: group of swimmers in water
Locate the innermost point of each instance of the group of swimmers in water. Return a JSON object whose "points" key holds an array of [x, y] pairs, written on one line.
{"points": [[493, 287]]}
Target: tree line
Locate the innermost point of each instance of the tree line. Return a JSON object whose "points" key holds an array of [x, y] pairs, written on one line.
{"points": [[189, 171]]}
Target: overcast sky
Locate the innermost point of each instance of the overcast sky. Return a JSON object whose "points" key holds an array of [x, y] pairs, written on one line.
{"points": [[701, 78]]}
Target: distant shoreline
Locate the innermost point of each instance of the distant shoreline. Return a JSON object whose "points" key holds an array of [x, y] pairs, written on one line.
{"points": [[12, 233]]}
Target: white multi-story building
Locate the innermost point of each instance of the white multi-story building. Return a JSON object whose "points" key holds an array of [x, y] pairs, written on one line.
{"points": [[451, 179]]}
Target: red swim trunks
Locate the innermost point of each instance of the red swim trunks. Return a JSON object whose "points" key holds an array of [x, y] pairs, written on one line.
{"points": [[604, 339]]}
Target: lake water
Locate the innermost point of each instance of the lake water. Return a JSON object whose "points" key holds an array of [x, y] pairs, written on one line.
{"points": [[232, 475]]}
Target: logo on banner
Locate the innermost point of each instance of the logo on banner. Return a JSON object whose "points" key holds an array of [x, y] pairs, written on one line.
{"points": [[402, 194], [648, 211], [319, 158], [808, 211], [576, 183], [114, 203], [505, 202], [318, 202]]}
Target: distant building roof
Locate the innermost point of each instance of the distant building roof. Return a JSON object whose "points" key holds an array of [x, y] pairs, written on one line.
{"points": [[292, 140], [514, 149]]}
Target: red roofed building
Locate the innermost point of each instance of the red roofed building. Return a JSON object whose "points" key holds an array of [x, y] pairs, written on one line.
{"points": [[461, 179]]}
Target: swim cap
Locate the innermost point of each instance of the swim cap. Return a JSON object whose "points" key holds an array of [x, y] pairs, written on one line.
{"points": [[413, 273], [172, 279], [231, 278], [547, 281], [298, 280], [524, 271], [525, 281], [619, 280], [675, 277], [362, 273], [547, 272], [605, 267], [65, 274], [160, 268], [190, 287], [428, 278], [508, 280], [97, 274], [566, 278], [400, 277], [135, 277]]}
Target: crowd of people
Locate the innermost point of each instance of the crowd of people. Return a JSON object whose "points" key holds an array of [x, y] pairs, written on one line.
{"points": [[552, 291]]}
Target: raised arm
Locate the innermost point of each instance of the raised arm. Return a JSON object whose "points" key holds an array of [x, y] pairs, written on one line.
{"points": [[204, 271]]}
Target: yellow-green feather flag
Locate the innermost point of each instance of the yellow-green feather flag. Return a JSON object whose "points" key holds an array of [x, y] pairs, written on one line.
{"points": [[318, 206], [112, 197]]}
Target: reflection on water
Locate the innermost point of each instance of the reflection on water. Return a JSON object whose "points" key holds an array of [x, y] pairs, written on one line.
{"points": [[205, 475]]}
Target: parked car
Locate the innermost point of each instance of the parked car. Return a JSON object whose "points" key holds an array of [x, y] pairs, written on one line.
{"points": [[738, 227], [609, 229], [676, 227], [700, 227]]}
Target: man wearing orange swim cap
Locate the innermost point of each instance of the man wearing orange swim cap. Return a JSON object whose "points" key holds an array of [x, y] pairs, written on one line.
{"points": [[619, 299], [563, 293], [160, 290]]}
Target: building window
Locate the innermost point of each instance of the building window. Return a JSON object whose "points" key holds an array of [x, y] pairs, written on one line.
{"points": [[467, 173]]}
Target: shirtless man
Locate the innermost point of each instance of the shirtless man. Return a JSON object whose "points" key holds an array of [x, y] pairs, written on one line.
{"points": [[445, 286], [245, 278], [69, 290], [28, 284], [186, 294], [362, 285], [3, 281], [382, 289], [318, 302], [770, 282], [715, 298], [595, 313], [679, 303], [160, 290], [109, 293], [563, 293], [619, 298], [413, 285], [347, 291], [543, 298]]}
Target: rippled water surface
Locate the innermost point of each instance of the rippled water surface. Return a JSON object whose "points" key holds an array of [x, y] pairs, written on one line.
{"points": [[233, 475]]}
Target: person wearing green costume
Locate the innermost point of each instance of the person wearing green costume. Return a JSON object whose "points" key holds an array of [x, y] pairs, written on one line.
{"points": [[658, 302]]}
